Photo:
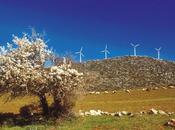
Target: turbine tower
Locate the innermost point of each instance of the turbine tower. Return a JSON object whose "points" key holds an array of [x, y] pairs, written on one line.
{"points": [[80, 54], [106, 52], [158, 52], [135, 48], [64, 60]]}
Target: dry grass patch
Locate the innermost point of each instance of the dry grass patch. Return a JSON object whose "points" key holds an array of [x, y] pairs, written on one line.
{"points": [[135, 101]]}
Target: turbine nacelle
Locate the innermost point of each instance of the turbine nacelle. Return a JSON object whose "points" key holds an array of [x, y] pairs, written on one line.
{"points": [[158, 49], [135, 45], [106, 52], [80, 54], [158, 52]]}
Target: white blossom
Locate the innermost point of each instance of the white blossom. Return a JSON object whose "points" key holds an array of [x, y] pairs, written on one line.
{"points": [[22, 68], [3, 51]]}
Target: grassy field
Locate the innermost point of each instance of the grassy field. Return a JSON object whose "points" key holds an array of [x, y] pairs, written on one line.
{"points": [[146, 122], [135, 101]]}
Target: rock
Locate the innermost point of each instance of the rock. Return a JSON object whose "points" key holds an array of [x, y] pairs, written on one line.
{"points": [[164, 88], [119, 114], [124, 113], [162, 112], [115, 91], [106, 92], [143, 89], [131, 115], [92, 92], [143, 112], [153, 111], [112, 114], [170, 113], [171, 123], [99, 112], [81, 114], [105, 113], [41, 119], [97, 93], [171, 87], [128, 91], [95, 113], [87, 113], [155, 88]]}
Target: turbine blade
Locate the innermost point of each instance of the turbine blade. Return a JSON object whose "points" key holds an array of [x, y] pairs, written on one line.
{"points": [[106, 47], [132, 44], [77, 52], [82, 54], [137, 45], [81, 49]]}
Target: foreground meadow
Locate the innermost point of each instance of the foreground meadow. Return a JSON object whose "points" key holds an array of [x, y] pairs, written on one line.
{"points": [[135, 101], [146, 122]]}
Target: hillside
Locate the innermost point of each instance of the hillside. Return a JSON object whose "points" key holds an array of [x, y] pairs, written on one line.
{"points": [[127, 72]]}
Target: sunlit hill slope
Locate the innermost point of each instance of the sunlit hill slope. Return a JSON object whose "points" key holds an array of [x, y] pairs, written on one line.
{"points": [[127, 72]]}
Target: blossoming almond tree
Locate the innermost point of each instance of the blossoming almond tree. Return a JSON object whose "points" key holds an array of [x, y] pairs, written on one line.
{"points": [[22, 72]]}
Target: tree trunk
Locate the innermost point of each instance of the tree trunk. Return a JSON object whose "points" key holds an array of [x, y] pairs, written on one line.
{"points": [[57, 104], [57, 108], [44, 104]]}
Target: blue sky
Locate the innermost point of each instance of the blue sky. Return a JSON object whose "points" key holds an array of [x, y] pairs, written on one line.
{"points": [[70, 24]]}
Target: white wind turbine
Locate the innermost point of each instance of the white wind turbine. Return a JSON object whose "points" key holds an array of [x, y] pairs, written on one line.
{"points": [[106, 52], [158, 52], [135, 48], [80, 54], [64, 60]]}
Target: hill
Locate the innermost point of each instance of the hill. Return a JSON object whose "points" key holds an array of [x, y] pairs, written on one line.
{"points": [[127, 72]]}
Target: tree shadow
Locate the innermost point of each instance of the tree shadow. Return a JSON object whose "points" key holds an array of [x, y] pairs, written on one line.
{"points": [[12, 119]]}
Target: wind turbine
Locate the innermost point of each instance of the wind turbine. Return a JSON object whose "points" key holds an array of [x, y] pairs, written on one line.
{"points": [[135, 48], [80, 54], [64, 60], [106, 52], [158, 52]]}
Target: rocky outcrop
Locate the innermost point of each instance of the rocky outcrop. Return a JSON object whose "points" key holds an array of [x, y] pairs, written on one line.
{"points": [[171, 123], [123, 113]]}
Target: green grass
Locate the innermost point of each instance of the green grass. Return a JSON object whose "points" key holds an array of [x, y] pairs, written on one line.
{"points": [[114, 123], [146, 122]]}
